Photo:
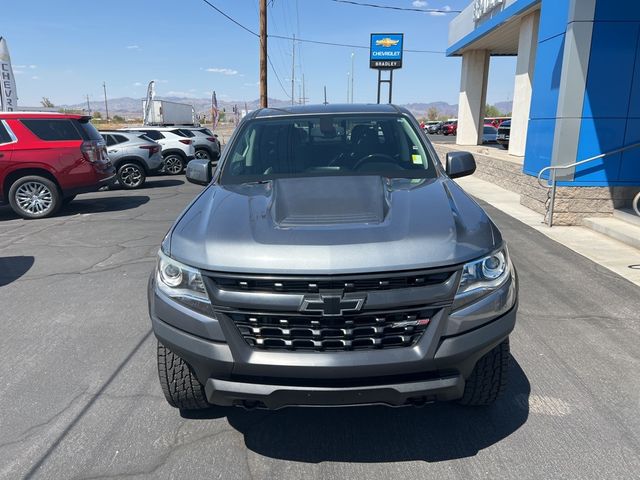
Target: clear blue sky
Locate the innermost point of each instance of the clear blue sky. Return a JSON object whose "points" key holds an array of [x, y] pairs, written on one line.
{"points": [[65, 49]]}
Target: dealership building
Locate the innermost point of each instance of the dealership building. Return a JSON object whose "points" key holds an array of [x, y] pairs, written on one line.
{"points": [[576, 87]]}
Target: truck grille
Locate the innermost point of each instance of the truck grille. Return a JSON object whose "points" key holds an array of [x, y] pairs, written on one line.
{"points": [[359, 283], [318, 333]]}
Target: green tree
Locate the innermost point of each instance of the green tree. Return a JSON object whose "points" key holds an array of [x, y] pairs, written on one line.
{"points": [[118, 119], [432, 113], [97, 115], [46, 103], [491, 111]]}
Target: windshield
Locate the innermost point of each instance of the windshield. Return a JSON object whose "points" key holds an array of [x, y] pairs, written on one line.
{"points": [[385, 145]]}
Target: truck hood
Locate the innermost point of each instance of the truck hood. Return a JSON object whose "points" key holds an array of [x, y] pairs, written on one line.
{"points": [[332, 225]]}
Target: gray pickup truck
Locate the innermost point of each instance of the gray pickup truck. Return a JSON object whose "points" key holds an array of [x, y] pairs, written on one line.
{"points": [[331, 260]]}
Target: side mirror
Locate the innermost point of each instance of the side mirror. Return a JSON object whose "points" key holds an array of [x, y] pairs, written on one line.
{"points": [[199, 172], [460, 164]]}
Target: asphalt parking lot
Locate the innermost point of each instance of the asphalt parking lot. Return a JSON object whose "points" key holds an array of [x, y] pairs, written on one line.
{"points": [[81, 398]]}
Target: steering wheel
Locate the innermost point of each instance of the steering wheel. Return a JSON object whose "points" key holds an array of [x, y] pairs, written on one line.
{"points": [[374, 157]]}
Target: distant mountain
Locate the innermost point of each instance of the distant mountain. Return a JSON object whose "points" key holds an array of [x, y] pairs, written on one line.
{"points": [[443, 108], [504, 107], [131, 108]]}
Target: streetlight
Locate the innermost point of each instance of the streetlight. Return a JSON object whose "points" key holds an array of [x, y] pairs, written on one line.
{"points": [[352, 76], [348, 75]]}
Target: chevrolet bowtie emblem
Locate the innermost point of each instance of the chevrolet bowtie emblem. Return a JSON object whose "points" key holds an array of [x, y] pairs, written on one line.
{"points": [[387, 42], [332, 304]]}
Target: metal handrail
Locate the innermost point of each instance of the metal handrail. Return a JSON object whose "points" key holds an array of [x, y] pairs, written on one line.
{"points": [[552, 183]]}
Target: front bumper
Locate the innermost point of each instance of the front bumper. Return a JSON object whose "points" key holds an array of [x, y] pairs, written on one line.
{"points": [[434, 369]]}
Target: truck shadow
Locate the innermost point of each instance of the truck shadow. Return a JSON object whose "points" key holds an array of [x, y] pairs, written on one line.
{"points": [[380, 434], [12, 268]]}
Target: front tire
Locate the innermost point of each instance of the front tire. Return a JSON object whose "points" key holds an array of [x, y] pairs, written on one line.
{"points": [[34, 197], [180, 386], [131, 176], [174, 164], [489, 377]]}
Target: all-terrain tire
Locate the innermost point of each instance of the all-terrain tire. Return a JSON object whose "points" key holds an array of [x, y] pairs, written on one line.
{"points": [[489, 377], [180, 386]]}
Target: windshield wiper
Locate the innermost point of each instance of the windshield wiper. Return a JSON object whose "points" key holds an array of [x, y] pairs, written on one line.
{"points": [[256, 182]]}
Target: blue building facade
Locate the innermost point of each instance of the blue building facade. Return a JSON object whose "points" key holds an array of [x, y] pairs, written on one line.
{"points": [[584, 90]]}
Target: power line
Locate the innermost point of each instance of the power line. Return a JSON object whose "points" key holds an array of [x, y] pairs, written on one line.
{"points": [[228, 17], [318, 42], [277, 77], [282, 37], [404, 9]]}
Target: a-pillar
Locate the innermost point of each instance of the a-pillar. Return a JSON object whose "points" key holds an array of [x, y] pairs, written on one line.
{"points": [[527, 47], [473, 97]]}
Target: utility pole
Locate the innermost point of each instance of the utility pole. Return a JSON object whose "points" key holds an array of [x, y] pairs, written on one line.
{"points": [[106, 105], [325, 95], [263, 54], [293, 71], [352, 56], [304, 92], [88, 105]]}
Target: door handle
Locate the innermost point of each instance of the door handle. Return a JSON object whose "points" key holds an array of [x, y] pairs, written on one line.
{"points": [[1, 155]]}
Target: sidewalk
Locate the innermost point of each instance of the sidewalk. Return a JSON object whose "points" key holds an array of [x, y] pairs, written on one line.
{"points": [[609, 253]]}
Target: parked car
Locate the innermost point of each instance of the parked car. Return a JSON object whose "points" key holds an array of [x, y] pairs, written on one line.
{"points": [[450, 128], [434, 128], [177, 147], [46, 159], [134, 155], [504, 131], [489, 134], [206, 143], [308, 272]]}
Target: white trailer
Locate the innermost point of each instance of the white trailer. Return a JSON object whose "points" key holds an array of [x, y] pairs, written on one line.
{"points": [[163, 112]]}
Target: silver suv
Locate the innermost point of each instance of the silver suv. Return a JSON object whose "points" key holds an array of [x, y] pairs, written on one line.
{"points": [[134, 155], [332, 260], [205, 142], [177, 148]]}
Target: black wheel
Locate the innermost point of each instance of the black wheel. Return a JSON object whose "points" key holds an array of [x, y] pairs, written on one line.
{"points": [[131, 175], [34, 197], [174, 164], [180, 386], [202, 154], [68, 200], [489, 377]]}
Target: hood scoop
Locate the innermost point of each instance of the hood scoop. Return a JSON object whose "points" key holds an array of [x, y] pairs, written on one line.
{"points": [[316, 201]]}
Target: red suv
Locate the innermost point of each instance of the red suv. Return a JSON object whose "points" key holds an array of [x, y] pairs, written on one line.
{"points": [[46, 159], [450, 128]]}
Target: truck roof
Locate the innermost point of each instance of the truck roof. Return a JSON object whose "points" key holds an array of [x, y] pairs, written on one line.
{"points": [[320, 109]]}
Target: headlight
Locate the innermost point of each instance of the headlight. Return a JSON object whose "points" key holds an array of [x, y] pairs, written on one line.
{"points": [[182, 283], [485, 274]]}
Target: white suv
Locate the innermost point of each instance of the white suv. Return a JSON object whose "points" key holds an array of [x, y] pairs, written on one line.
{"points": [[206, 143], [177, 148]]}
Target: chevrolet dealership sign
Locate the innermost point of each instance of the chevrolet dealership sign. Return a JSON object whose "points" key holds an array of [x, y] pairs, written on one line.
{"points": [[482, 7], [386, 51]]}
